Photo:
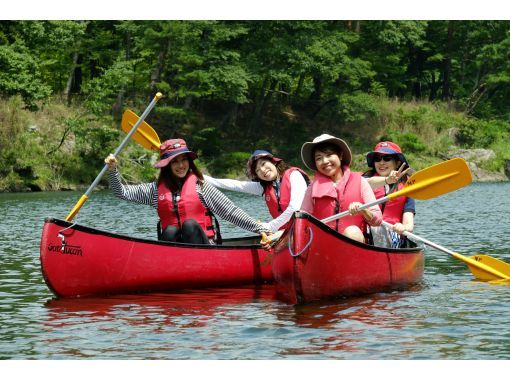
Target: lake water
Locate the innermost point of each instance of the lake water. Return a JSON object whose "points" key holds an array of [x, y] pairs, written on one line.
{"points": [[448, 316]]}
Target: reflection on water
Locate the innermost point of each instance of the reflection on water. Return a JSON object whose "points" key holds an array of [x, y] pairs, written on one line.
{"points": [[448, 316]]}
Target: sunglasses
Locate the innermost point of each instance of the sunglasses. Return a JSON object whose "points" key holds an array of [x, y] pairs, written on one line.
{"points": [[385, 158]]}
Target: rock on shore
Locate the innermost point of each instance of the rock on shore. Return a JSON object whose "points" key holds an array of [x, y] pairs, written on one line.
{"points": [[475, 158]]}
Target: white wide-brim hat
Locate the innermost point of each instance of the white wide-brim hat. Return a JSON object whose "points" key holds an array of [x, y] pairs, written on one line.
{"points": [[307, 150]]}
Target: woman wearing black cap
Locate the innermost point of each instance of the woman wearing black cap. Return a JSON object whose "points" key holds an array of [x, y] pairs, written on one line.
{"points": [[282, 186], [388, 173], [185, 202]]}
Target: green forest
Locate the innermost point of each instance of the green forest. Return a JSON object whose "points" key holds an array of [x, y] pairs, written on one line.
{"points": [[234, 86]]}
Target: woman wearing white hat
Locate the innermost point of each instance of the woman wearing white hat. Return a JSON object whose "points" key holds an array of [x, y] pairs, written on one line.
{"points": [[185, 202], [335, 188]]}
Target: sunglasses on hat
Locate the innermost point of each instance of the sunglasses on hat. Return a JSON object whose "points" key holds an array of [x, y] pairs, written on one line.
{"points": [[384, 157]]}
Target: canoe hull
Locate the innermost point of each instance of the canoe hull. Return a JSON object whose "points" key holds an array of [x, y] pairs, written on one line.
{"points": [[314, 262], [82, 261]]}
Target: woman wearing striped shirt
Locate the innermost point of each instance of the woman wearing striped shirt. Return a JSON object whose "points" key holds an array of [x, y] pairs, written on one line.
{"points": [[185, 202]]}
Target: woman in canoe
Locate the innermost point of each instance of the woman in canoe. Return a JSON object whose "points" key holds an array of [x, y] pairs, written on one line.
{"points": [[336, 189], [282, 186], [185, 202], [389, 170]]}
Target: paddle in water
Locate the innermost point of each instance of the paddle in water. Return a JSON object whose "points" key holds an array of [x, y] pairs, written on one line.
{"points": [[483, 267]]}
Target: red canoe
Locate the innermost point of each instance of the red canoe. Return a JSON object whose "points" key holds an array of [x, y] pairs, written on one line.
{"points": [[313, 262], [82, 261]]}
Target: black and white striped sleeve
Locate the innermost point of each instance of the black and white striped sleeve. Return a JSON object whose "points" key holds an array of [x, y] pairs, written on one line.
{"points": [[144, 193], [223, 207]]}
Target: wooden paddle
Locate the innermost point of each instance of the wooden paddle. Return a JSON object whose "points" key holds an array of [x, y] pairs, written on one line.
{"points": [[85, 196], [483, 267], [427, 183]]}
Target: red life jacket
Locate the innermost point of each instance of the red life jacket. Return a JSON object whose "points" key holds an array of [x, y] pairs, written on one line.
{"points": [[187, 206], [329, 200], [276, 205], [392, 210]]}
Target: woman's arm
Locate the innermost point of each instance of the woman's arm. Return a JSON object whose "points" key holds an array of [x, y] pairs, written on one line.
{"points": [[249, 187], [297, 192], [395, 175], [223, 207], [406, 225], [373, 214], [307, 205], [144, 193], [377, 181]]}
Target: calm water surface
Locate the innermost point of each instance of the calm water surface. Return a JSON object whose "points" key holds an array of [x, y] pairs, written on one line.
{"points": [[448, 316]]}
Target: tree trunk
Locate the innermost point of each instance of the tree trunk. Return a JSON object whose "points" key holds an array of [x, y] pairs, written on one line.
{"points": [[119, 102], [447, 63], [260, 104], [299, 88], [187, 102], [72, 79], [156, 73]]}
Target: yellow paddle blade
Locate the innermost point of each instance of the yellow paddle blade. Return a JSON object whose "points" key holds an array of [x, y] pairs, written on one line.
{"points": [[500, 282], [479, 269], [144, 135], [502, 268], [436, 180]]}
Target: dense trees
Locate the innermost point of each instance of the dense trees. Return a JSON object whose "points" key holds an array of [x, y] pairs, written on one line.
{"points": [[257, 83], [263, 63]]}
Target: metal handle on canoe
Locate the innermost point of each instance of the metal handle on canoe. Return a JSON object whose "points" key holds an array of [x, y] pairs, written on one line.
{"points": [[291, 240]]}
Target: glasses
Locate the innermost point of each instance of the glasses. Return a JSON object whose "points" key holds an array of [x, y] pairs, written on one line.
{"points": [[385, 158]]}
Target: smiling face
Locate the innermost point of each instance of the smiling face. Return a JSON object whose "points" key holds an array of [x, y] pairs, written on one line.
{"points": [[382, 167], [266, 170], [180, 166], [328, 163]]}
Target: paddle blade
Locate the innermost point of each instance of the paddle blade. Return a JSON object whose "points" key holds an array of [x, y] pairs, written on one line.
{"points": [[144, 135], [436, 180], [500, 269]]}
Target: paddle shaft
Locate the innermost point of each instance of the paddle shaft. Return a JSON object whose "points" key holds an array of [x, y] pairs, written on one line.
{"points": [[85, 196], [345, 213], [467, 260]]}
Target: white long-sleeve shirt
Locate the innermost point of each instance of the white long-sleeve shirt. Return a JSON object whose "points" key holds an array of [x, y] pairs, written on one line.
{"points": [[297, 192]]}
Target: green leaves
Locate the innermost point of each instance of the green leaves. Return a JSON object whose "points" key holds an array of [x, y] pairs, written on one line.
{"points": [[20, 74]]}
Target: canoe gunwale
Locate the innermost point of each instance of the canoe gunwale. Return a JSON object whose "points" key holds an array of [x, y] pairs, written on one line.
{"points": [[317, 223], [95, 231]]}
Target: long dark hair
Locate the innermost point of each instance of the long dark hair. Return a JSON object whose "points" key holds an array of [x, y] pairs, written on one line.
{"points": [[175, 183]]}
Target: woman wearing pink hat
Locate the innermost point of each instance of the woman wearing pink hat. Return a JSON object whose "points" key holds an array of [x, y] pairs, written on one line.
{"points": [[335, 188], [282, 186], [388, 172], [185, 202]]}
